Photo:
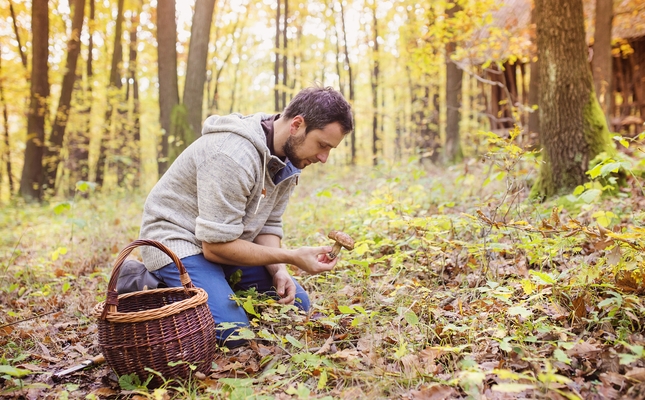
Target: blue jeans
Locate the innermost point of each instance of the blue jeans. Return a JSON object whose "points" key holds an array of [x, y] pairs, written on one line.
{"points": [[214, 279]]}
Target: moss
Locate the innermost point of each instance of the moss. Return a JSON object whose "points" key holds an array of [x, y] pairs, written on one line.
{"points": [[598, 138], [595, 128]]}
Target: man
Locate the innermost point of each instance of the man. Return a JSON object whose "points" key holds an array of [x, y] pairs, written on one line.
{"points": [[219, 206]]}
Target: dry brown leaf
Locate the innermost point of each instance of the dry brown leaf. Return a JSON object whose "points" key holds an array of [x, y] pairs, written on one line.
{"points": [[436, 392], [104, 392], [636, 374], [584, 349], [580, 307]]}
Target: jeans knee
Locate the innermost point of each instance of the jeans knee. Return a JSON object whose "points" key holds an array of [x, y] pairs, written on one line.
{"points": [[302, 301]]}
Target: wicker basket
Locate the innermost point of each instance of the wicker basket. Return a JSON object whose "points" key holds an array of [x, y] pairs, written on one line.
{"points": [[155, 328]]}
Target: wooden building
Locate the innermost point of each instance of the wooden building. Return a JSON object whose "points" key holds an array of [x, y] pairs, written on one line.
{"points": [[508, 94]]}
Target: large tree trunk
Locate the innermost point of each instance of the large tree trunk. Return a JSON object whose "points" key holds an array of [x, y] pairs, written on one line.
{"points": [[602, 59], [114, 94], [168, 87], [454, 75], [55, 143], [30, 181], [200, 31], [572, 127]]}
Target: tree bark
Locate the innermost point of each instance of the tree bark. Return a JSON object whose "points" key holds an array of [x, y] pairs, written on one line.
{"points": [[114, 93], [602, 59], [572, 125], [167, 72], [30, 181], [55, 143], [534, 90], [134, 130], [200, 31], [453, 152]]}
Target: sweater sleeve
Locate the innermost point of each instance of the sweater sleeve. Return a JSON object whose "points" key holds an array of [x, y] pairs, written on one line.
{"points": [[223, 189]]}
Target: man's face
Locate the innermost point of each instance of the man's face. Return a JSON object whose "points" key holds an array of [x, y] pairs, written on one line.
{"points": [[304, 149]]}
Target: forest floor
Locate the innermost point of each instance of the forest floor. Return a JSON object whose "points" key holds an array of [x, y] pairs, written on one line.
{"points": [[459, 287]]}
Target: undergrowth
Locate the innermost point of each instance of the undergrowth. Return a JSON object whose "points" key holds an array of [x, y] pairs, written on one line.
{"points": [[459, 286]]}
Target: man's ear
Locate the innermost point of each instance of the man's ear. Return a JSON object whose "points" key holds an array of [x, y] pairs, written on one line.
{"points": [[296, 123]]}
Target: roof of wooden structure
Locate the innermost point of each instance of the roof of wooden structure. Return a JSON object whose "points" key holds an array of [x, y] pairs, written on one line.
{"points": [[514, 17]]}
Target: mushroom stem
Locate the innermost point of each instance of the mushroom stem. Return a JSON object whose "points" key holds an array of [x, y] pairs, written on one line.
{"points": [[334, 251]]}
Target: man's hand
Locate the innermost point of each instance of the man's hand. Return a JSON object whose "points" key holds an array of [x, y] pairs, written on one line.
{"points": [[284, 286], [314, 260]]}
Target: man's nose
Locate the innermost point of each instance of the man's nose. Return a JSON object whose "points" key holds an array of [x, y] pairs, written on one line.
{"points": [[322, 157]]}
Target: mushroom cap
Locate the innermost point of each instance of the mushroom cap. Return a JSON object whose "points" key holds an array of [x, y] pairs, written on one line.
{"points": [[342, 238]]}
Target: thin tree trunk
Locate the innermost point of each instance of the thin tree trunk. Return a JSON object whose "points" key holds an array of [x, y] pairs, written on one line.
{"points": [[193, 97], [23, 56], [285, 57], [602, 59], [375, 85], [55, 143], [134, 125], [534, 92], [114, 94], [276, 65], [454, 75], [30, 181], [6, 155], [572, 125], [351, 84], [168, 86]]}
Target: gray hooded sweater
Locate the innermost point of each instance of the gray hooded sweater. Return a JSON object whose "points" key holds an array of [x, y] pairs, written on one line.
{"points": [[219, 189]]}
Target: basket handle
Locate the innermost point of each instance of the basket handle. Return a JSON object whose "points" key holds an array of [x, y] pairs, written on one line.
{"points": [[112, 298]]}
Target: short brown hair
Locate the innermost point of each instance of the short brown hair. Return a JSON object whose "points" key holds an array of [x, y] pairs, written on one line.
{"points": [[319, 107]]}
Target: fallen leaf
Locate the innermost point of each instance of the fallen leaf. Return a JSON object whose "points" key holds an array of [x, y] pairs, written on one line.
{"points": [[104, 392], [584, 349], [636, 374], [436, 392], [580, 307]]}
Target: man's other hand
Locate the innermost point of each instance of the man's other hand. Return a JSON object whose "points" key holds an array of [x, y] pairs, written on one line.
{"points": [[284, 286]]}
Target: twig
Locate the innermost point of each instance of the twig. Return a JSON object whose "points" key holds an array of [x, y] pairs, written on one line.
{"points": [[27, 319]]}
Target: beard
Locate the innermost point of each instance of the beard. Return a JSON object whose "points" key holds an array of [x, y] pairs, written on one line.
{"points": [[290, 148]]}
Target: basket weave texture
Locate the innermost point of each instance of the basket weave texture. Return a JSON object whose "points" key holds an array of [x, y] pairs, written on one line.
{"points": [[152, 328]]}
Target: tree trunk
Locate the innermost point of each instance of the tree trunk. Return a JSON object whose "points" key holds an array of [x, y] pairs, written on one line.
{"points": [[375, 84], [200, 31], [602, 59], [30, 181], [572, 127], [352, 138], [168, 86], [276, 65], [6, 155], [134, 129], [23, 56], [55, 143], [285, 57], [114, 94], [452, 150]]}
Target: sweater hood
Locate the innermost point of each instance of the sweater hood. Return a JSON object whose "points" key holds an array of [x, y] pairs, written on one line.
{"points": [[248, 127]]}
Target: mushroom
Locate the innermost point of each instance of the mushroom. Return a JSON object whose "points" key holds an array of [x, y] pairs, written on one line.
{"points": [[342, 240]]}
